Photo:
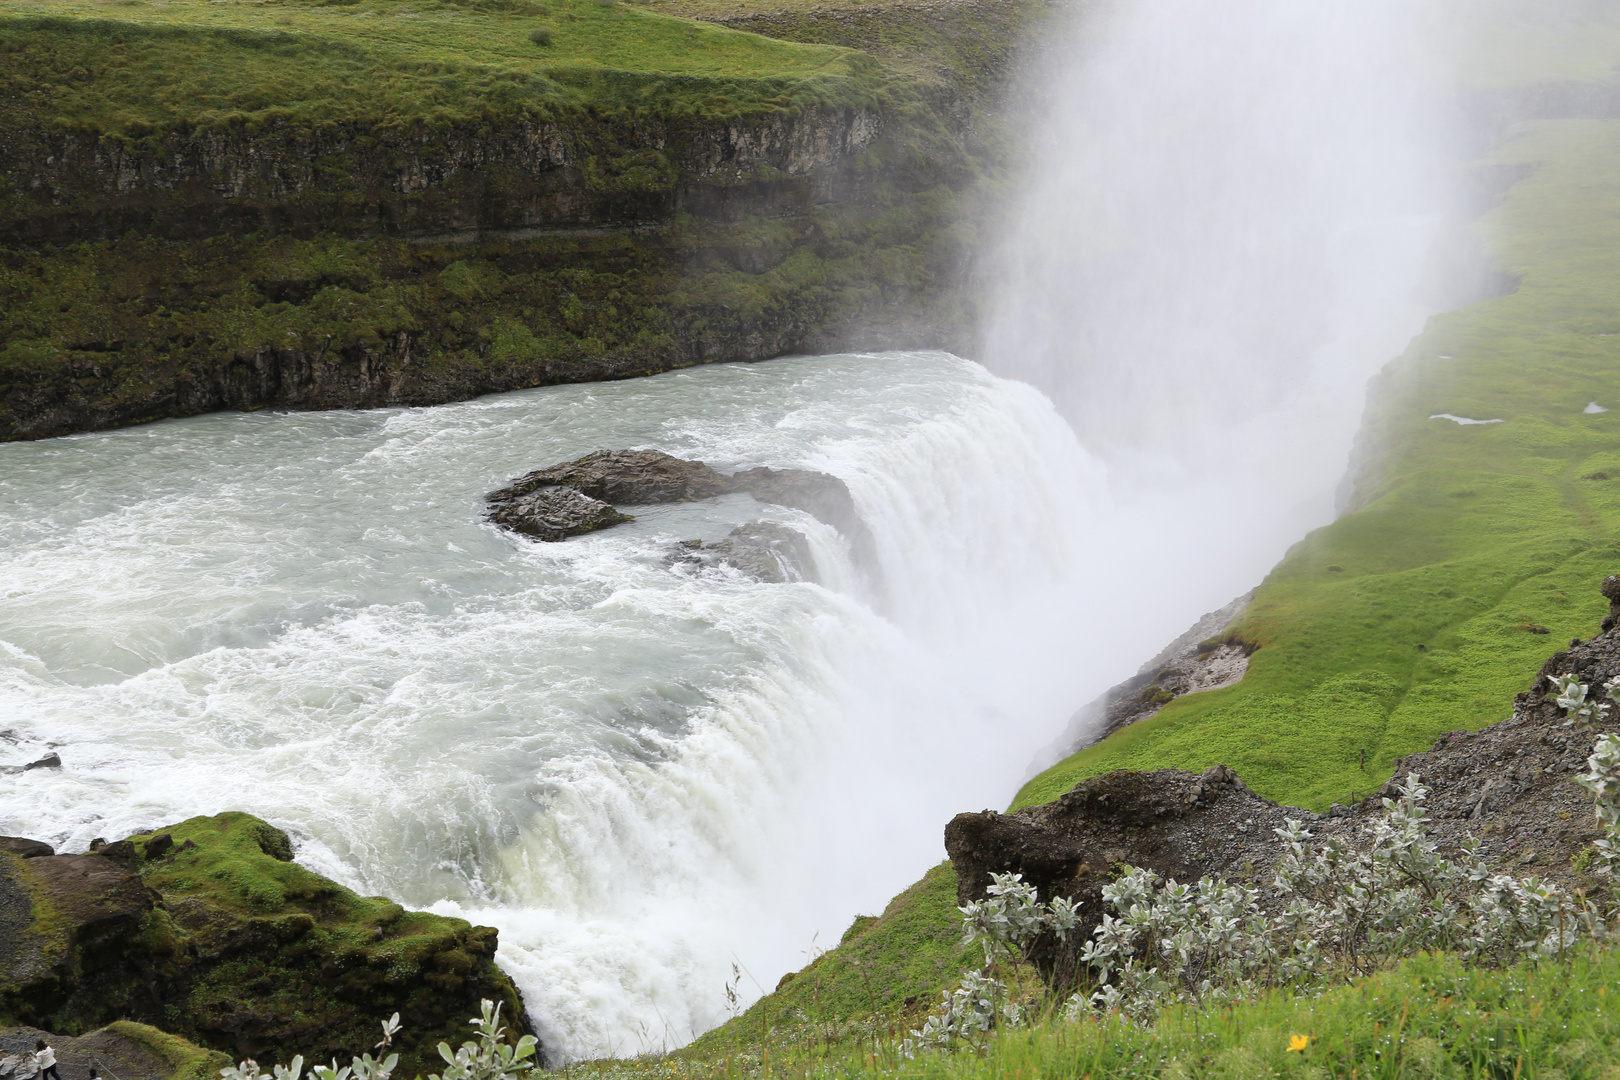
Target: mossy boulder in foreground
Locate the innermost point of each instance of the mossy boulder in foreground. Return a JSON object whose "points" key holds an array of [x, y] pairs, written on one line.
{"points": [[210, 931]]}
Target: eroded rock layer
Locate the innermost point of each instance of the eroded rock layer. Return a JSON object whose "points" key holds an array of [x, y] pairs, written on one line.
{"points": [[209, 931]]}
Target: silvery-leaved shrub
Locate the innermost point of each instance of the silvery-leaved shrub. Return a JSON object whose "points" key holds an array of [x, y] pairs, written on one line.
{"points": [[1578, 703], [1342, 910], [487, 1056], [1602, 779], [1602, 776], [1338, 910], [1005, 925]]}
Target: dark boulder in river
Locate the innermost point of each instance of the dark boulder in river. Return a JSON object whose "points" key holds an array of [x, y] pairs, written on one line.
{"points": [[635, 477], [763, 550], [555, 513], [210, 931], [645, 477], [821, 495]]}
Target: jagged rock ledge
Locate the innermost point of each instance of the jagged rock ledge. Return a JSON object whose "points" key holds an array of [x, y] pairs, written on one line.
{"points": [[577, 497], [1208, 656], [208, 931]]}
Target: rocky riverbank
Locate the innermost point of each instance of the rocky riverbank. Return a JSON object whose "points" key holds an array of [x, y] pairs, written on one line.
{"points": [[209, 931]]}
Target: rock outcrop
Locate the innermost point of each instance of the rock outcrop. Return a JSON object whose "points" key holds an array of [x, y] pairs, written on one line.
{"points": [[533, 504], [822, 496], [125, 1050], [555, 513], [762, 550], [1179, 824], [1509, 786], [209, 931], [1207, 657], [632, 477], [49, 761]]}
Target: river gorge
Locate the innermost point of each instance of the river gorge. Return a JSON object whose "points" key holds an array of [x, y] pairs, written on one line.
{"points": [[668, 784]]}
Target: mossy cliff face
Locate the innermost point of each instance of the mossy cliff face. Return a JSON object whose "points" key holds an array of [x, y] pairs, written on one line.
{"points": [[209, 931], [588, 225]]}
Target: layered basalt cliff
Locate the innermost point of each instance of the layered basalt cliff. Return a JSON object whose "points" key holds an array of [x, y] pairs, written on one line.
{"points": [[579, 226]]}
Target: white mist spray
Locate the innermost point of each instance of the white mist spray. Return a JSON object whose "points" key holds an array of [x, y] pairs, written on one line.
{"points": [[1228, 225]]}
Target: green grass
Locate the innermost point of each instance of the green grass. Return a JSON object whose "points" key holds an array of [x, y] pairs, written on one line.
{"points": [[885, 973], [186, 1061], [133, 69], [1429, 1018], [1464, 537]]}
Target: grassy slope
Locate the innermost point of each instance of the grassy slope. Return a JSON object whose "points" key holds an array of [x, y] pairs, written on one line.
{"points": [[1429, 1019], [1414, 614], [186, 1061], [131, 67], [890, 968]]}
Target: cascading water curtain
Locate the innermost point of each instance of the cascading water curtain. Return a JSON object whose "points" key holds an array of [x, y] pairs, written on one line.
{"points": [[1231, 216], [1218, 192]]}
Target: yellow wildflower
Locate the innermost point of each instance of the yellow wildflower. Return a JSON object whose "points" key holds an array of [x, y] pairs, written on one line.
{"points": [[1298, 1042]]}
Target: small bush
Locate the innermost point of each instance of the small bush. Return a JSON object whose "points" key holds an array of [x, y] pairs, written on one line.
{"points": [[487, 1057], [540, 36], [1341, 912]]}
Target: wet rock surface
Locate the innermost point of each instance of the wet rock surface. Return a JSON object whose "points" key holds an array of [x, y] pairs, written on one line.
{"points": [[762, 550], [49, 761], [111, 1052], [24, 848], [633, 477], [1198, 660], [822, 496], [1509, 786], [535, 504], [209, 931], [556, 513]]}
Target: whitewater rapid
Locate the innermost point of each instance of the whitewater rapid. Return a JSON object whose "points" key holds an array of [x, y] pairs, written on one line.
{"points": [[638, 773]]}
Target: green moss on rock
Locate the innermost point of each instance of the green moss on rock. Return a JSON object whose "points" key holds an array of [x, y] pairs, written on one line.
{"points": [[186, 1060], [209, 931]]}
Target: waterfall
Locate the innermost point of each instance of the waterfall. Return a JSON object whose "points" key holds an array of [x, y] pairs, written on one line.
{"points": [[640, 775], [1234, 212]]}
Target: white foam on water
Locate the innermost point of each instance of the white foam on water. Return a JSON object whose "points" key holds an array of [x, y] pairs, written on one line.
{"points": [[637, 773]]}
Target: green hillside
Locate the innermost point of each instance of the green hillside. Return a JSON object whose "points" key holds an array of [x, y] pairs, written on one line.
{"points": [[132, 67], [1473, 546]]}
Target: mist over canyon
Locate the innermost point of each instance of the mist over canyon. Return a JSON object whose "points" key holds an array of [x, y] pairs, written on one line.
{"points": [[1176, 246]]}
